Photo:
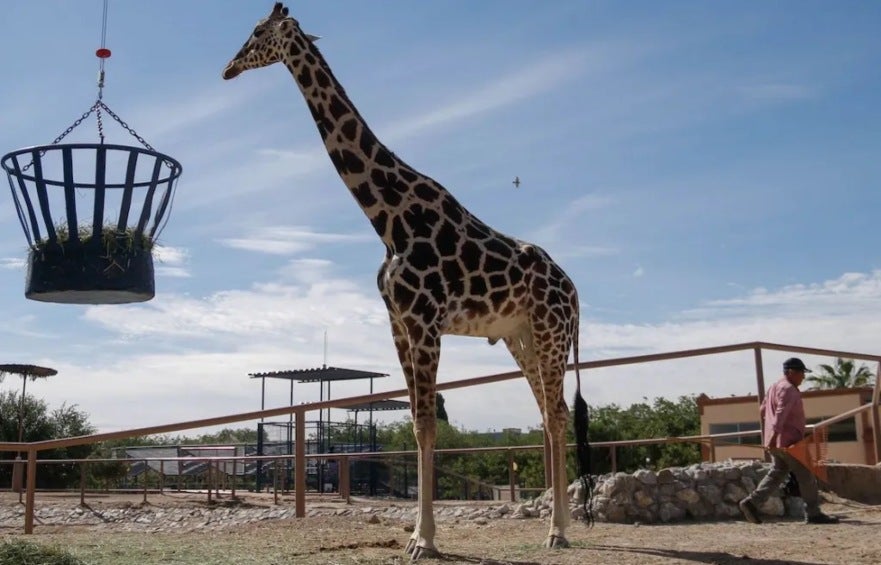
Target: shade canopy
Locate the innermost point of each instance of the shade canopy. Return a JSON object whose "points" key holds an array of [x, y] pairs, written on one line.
{"points": [[319, 374]]}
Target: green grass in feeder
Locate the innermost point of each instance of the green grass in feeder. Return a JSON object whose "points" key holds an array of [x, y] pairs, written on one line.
{"points": [[113, 241]]}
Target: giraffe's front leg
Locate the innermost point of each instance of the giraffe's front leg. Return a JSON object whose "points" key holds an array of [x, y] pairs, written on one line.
{"points": [[421, 543]]}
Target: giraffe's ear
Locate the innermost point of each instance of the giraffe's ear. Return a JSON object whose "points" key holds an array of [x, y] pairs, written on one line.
{"points": [[312, 38], [284, 11]]}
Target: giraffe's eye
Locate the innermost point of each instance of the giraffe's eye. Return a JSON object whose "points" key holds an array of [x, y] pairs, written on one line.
{"points": [[258, 32]]}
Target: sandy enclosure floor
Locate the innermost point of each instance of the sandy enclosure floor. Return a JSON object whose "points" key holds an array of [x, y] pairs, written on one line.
{"points": [[362, 538]]}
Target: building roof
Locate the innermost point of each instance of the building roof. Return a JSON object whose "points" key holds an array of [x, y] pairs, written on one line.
{"points": [[319, 374], [704, 400], [380, 405]]}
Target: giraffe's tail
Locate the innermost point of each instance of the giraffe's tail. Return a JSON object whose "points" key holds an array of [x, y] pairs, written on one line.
{"points": [[582, 443]]}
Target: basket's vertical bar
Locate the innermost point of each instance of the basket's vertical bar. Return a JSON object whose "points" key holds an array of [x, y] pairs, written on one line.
{"points": [[100, 192], [42, 196], [300, 465], [22, 187], [148, 199], [166, 200], [70, 195], [126, 205]]}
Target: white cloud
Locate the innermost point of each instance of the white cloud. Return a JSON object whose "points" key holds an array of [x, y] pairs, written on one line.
{"points": [[289, 240], [535, 77], [566, 220], [639, 272], [12, 263], [171, 261], [274, 325]]}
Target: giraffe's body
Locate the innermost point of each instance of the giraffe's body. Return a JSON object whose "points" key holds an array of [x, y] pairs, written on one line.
{"points": [[445, 271]]}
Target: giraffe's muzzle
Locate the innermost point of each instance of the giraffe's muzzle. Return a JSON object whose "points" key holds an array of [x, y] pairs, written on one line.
{"points": [[232, 70]]}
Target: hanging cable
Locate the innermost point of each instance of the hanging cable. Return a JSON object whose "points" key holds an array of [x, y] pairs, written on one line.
{"points": [[102, 53]]}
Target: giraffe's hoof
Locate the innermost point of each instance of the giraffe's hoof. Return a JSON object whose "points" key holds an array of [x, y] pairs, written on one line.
{"points": [[411, 545], [424, 553], [556, 542]]}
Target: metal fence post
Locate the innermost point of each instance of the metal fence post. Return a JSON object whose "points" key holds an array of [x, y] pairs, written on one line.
{"points": [[300, 464], [82, 483], [30, 490], [512, 478]]}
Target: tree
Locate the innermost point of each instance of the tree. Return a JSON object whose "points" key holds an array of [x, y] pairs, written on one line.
{"points": [[662, 418], [40, 424], [845, 374]]}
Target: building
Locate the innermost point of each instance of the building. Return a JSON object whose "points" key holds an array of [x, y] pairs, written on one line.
{"points": [[850, 441]]}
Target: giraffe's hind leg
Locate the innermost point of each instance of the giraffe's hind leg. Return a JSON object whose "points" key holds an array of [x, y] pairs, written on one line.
{"points": [[547, 395]]}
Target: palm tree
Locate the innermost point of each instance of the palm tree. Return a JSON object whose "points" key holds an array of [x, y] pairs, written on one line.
{"points": [[845, 374]]}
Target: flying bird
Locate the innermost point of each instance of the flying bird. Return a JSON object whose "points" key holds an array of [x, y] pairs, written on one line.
{"points": [[516, 182]]}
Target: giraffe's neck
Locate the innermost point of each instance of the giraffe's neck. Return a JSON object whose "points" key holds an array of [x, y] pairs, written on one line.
{"points": [[386, 188]]}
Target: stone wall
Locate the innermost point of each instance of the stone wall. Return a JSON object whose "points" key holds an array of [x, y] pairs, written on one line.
{"points": [[705, 491]]}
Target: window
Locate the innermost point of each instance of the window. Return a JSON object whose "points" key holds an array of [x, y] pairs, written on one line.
{"points": [[738, 427], [846, 430]]}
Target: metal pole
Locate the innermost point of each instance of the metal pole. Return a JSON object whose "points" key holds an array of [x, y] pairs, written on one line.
{"points": [[345, 485], [275, 481], [511, 478], [161, 476], [24, 384], [31, 488], [209, 482], [234, 471], [146, 469], [82, 483], [300, 465], [614, 459], [287, 462], [262, 395]]}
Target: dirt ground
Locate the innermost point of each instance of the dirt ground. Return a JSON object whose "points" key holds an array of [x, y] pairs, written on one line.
{"points": [[356, 540]]}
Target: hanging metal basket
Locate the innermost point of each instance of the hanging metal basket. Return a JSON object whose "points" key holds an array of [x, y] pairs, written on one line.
{"points": [[91, 213]]}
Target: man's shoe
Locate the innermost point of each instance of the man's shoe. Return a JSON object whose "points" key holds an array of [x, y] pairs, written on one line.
{"points": [[821, 519], [749, 510]]}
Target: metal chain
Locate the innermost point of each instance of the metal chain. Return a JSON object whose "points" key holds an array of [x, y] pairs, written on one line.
{"points": [[125, 126], [100, 123], [69, 129]]}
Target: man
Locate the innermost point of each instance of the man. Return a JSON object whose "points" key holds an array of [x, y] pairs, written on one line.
{"points": [[784, 417]]}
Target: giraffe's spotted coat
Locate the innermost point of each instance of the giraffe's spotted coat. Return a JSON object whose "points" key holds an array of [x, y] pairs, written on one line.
{"points": [[444, 272]]}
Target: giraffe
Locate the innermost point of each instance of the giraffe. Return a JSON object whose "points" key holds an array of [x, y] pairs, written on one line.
{"points": [[445, 272]]}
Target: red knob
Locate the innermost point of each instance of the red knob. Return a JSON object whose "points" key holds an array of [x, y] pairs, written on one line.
{"points": [[103, 53]]}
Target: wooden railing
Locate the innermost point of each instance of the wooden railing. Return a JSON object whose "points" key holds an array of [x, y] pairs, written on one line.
{"points": [[299, 413]]}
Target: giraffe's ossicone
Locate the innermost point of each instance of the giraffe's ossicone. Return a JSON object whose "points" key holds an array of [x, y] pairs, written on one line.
{"points": [[444, 272]]}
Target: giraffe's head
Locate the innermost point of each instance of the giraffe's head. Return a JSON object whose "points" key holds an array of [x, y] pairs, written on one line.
{"points": [[267, 43]]}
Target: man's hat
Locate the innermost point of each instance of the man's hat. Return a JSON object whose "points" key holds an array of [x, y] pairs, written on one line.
{"points": [[796, 364]]}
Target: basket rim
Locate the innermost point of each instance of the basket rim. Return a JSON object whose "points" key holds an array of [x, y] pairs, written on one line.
{"points": [[172, 164]]}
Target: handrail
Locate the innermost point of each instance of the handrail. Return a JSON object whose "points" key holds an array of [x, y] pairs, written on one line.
{"points": [[300, 411]]}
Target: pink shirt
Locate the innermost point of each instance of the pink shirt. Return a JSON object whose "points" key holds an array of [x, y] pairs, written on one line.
{"points": [[784, 414]]}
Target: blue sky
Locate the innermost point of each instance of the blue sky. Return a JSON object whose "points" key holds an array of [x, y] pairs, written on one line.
{"points": [[707, 173]]}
